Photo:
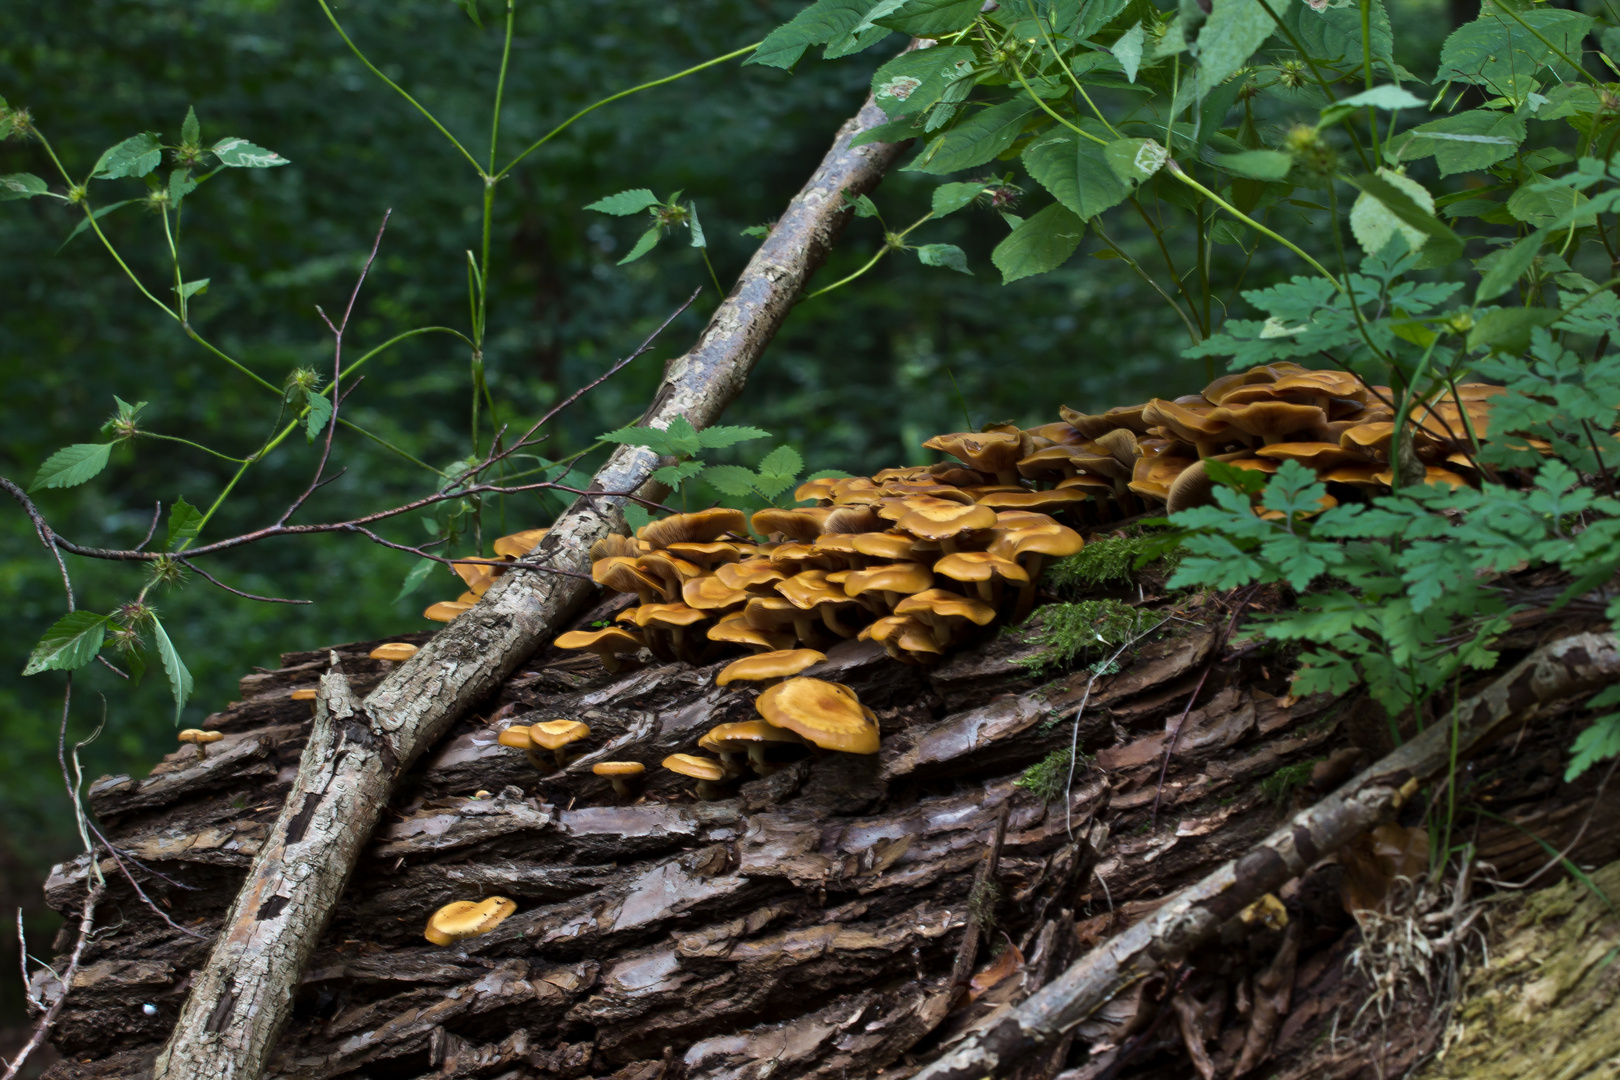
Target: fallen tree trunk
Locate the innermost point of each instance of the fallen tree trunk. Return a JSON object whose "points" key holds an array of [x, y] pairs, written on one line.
{"points": [[242, 997]]}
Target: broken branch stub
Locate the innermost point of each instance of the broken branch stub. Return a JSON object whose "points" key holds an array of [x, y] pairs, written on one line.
{"points": [[242, 998], [1568, 668]]}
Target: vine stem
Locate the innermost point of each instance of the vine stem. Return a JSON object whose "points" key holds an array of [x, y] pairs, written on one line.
{"points": [[892, 242], [1175, 170]]}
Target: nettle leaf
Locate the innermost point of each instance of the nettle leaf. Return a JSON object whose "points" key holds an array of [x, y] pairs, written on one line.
{"points": [[70, 644], [916, 80], [1236, 28], [625, 203], [21, 186], [1540, 205], [185, 522], [97, 215], [1465, 142], [1257, 164], [190, 129], [732, 480], [648, 241], [1135, 160], [949, 198], [1043, 242], [414, 578], [1496, 52], [655, 439], [135, 156], [673, 476], [930, 18], [72, 466], [721, 436], [240, 154], [976, 140], [863, 206], [1127, 49], [636, 516], [783, 463], [817, 24], [318, 416], [180, 185], [947, 255], [1334, 34], [180, 683]]}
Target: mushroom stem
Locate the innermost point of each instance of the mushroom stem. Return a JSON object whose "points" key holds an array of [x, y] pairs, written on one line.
{"points": [[986, 592], [1008, 476], [611, 661], [708, 790], [728, 758], [620, 788], [804, 626], [562, 758], [537, 761], [202, 751], [1025, 601], [757, 759], [948, 545], [830, 618]]}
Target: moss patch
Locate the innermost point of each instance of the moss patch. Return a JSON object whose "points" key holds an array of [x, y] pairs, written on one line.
{"points": [[1047, 778], [1067, 632], [1285, 781], [1112, 560]]}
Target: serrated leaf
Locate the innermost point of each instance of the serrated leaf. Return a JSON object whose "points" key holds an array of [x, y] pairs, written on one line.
{"points": [[241, 154], [1043, 242], [1463, 142], [625, 203], [180, 185], [673, 476], [1508, 330], [135, 156], [1411, 207], [682, 438], [1507, 266], [648, 241], [930, 18], [414, 578], [185, 522], [1127, 49], [1135, 160], [782, 463], [72, 465], [318, 416], [916, 80], [1496, 52], [84, 223], [817, 24], [976, 140], [732, 480], [863, 206], [653, 439], [70, 644], [21, 186], [947, 255], [721, 436], [180, 683], [1599, 742], [190, 129], [636, 516], [1236, 28], [949, 198]]}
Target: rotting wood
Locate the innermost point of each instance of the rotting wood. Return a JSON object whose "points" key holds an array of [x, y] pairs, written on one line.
{"points": [[1568, 668], [415, 704]]}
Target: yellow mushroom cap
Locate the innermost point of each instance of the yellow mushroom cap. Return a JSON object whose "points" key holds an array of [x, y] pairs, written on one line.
{"points": [[478, 576], [394, 650], [467, 918], [554, 733], [608, 641], [519, 544], [825, 713], [737, 631], [698, 768], [445, 610], [517, 737], [197, 735], [979, 566], [906, 577], [303, 693], [733, 737], [701, 527], [778, 664], [938, 605], [618, 768], [942, 521]]}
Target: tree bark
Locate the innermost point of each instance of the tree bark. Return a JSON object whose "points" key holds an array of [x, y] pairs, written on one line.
{"points": [[242, 997], [1571, 667]]}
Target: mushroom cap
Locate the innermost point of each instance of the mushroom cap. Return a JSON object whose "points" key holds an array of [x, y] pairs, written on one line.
{"points": [[667, 615], [1121, 444], [729, 738], [939, 522], [905, 577], [618, 768], [927, 489], [770, 612], [1189, 423], [1361, 476], [796, 555], [1224, 385], [990, 451], [552, 734], [1060, 432], [198, 735], [709, 593], [756, 573], [478, 576], [700, 527], [884, 545], [938, 605], [819, 488], [394, 650], [856, 491], [614, 546], [621, 574], [1274, 418], [735, 630], [825, 713], [1055, 499], [467, 918], [802, 524], [699, 768], [1021, 520], [516, 736], [980, 566], [707, 555], [303, 693], [1055, 542], [445, 610], [1432, 474], [519, 544], [1193, 487], [609, 641], [850, 519], [811, 589], [777, 664]]}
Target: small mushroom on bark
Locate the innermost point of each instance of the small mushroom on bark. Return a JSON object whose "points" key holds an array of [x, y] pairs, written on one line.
{"points": [[825, 713], [709, 773], [984, 571], [519, 544], [445, 610], [904, 638], [556, 735], [769, 668], [467, 918], [517, 737], [734, 629], [752, 737], [394, 650], [201, 739], [893, 582], [621, 774], [946, 614], [611, 644]]}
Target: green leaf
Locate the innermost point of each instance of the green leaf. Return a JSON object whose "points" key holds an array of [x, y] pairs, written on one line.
{"points": [[135, 156], [1127, 49], [191, 130], [180, 185], [191, 288], [1507, 267], [414, 577], [1235, 29], [636, 516], [84, 223], [947, 255], [1257, 164], [1248, 481], [1334, 34], [1507, 330], [179, 678], [892, 132], [976, 140], [817, 24], [1463, 142], [697, 229], [1540, 205], [185, 522], [783, 463], [732, 480], [470, 7], [721, 436], [648, 241], [319, 415], [757, 232], [1050, 159], [241, 154], [1135, 160], [931, 18], [1388, 98], [625, 203], [70, 644], [1043, 242], [916, 80], [864, 207], [72, 466], [1390, 203], [949, 198], [673, 476], [1599, 742], [1495, 52], [21, 186]]}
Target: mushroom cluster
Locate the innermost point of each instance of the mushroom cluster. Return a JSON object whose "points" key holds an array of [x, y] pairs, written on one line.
{"points": [[479, 576]]}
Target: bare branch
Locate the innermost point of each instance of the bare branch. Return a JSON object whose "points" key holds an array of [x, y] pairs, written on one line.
{"points": [[151, 530], [42, 1026], [251, 596], [45, 533]]}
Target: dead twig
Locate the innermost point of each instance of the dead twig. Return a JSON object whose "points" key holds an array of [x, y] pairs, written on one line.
{"points": [[42, 1026]]}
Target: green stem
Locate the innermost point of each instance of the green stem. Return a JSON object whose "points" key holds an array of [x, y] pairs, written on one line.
{"points": [[889, 244], [714, 277], [1053, 112], [238, 365], [398, 338], [386, 445], [1316, 72], [1556, 51], [1070, 73], [1175, 170], [500, 86], [554, 132], [399, 89], [194, 445], [1192, 330], [1366, 67]]}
